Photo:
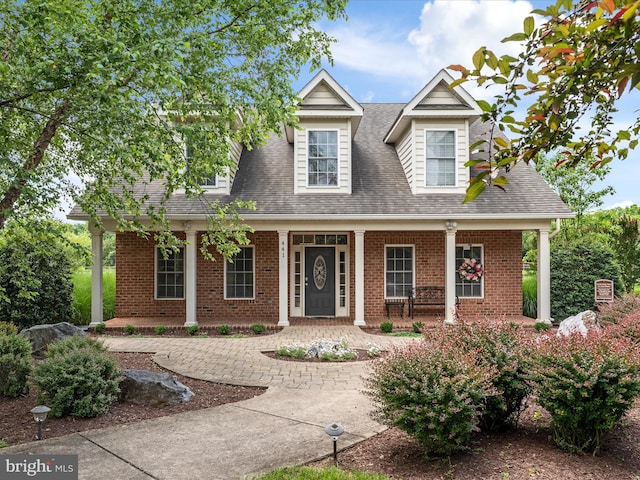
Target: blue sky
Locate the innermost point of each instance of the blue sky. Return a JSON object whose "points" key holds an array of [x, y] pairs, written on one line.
{"points": [[388, 50]]}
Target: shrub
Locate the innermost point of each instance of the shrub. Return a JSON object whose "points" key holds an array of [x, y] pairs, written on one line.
{"points": [[258, 328], [160, 329], [542, 326], [386, 327], [8, 328], [530, 296], [501, 349], [129, 329], [618, 309], [586, 384], [193, 329], [294, 351], [82, 295], [100, 328], [224, 329], [15, 365], [77, 378], [417, 327], [434, 394]]}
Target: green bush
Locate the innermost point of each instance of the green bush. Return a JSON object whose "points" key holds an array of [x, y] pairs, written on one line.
{"points": [[542, 326], [417, 327], [434, 394], [193, 330], [293, 351], [160, 329], [224, 329], [386, 327], [100, 328], [586, 384], [258, 328], [77, 378], [82, 295], [574, 269], [129, 329], [15, 365], [8, 328], [530, 296], [502, 349]]}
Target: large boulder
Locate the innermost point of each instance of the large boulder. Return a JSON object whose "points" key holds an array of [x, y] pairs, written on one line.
{"points": [[151, 388], [580, 323], [41, 336]]}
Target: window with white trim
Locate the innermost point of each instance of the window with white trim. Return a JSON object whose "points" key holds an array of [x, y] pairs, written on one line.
{"points": [[239, 275], [469, 287], [440, 161], [205, 182], [322, 158], [170, 274], [398, 270]]}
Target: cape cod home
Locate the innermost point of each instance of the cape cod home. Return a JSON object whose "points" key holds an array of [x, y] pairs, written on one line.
{"points": [[359, 204]]}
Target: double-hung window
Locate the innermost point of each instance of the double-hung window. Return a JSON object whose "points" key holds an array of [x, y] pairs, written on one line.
{"points": [[440, 162], [239, 275], [472, 287], [398, 271], [322, 158], [170, 274]]}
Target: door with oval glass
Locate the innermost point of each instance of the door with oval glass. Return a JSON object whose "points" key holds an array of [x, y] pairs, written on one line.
{"points": [[320, 281]]}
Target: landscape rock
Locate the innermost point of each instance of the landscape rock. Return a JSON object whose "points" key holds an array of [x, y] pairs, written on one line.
{"points": [[580, 323], [154, 389], [41, 336]]}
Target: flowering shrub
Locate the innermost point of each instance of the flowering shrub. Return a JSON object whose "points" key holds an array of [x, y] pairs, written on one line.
{"points": [[586, 384], [373, 349], [324, 349], [470, 269], [435, 394], [620, 308]]}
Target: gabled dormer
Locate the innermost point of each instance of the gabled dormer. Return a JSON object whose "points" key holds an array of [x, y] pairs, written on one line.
{"points": [[431, 136], [328, 120]]}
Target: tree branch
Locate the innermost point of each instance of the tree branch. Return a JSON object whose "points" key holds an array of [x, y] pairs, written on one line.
{"points": [[232, 22], [8, 103]]}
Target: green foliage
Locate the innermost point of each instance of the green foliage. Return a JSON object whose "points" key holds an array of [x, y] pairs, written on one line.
{"points": [[109, 90], [313, 473], [625, 243], [435, 394], [77, 378], [160, 329], [8, 328], [293, 351], [130, 329], [82, 295], [35, 273], [258, 328], [386, 327], [193, 330], [576, 63], [15, 364], [100, 328], [542, 326], [417, 327], [224, 330], [620, 308], [586, 384], [574, 269], [530, 296]]}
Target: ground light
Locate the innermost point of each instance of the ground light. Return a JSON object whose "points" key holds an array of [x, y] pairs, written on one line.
{"points": [[40, 415], [334, 430]]}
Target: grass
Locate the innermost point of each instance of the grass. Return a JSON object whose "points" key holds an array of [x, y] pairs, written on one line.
{"points": [[530, 295], [310, 473], [82, 295], [405, 334]]}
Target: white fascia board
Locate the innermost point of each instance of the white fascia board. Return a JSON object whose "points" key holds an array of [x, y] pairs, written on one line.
{"points": [[323, 75]]}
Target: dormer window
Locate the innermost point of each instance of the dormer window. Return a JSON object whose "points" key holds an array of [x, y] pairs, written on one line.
{"points": [[440, 166], [322, 158]]}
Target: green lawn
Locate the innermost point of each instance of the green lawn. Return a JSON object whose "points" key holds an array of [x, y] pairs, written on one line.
{"points": [[310, 473]]}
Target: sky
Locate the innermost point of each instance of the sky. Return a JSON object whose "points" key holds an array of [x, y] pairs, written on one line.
{"points": [[387, 50]]}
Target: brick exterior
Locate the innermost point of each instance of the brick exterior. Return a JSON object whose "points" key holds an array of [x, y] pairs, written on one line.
{"points": [[135, 282]]}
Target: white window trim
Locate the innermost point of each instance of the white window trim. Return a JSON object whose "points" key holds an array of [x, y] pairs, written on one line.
{"points": [[413, 259], [481, 245], [155, 276], [306, 156], [455, 158], [253, 263]]}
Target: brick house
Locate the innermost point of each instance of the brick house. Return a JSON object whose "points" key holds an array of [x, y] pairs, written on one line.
{"points": [[359, 204]]}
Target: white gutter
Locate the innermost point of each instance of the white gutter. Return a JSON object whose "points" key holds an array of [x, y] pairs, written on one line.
{"points": [[557, 229]]}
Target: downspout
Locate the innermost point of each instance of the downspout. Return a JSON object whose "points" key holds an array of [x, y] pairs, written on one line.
{"points": [[557, 229]]}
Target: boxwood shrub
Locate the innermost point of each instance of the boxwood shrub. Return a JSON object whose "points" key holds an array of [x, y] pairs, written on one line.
{"points": [[15, 364]]}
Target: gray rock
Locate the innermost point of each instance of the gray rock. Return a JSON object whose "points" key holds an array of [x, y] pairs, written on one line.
{"points": [[580, 323], [41, 336], [151, 388]]}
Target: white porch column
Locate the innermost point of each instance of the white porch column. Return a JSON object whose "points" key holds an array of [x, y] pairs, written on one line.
{"points": [[190, 293], [96, 277], [283, 278], [450, 272], [359, 280], [544, 277]]}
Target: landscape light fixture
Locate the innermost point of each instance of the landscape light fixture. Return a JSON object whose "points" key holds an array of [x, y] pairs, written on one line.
{"points": [[40, 415], [334, 430]]}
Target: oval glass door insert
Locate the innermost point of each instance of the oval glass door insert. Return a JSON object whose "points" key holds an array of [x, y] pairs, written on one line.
{"points": [[319, 272]]}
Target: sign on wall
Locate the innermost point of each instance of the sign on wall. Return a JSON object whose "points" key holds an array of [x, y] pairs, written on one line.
{"points": [[604, 291]]}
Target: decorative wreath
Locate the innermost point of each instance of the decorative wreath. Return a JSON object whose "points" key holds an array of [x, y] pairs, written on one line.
{"points": [[470, 270]]}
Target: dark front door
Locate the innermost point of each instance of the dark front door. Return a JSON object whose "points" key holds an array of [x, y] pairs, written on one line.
{"points": [[320, 281]]}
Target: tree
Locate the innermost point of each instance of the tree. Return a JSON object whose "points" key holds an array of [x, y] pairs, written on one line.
{"points": [[577, 63], [625, 243], [112, 91], [575, 186]]}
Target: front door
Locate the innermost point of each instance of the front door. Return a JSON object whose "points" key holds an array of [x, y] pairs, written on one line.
{"points": [[320, 282]]}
